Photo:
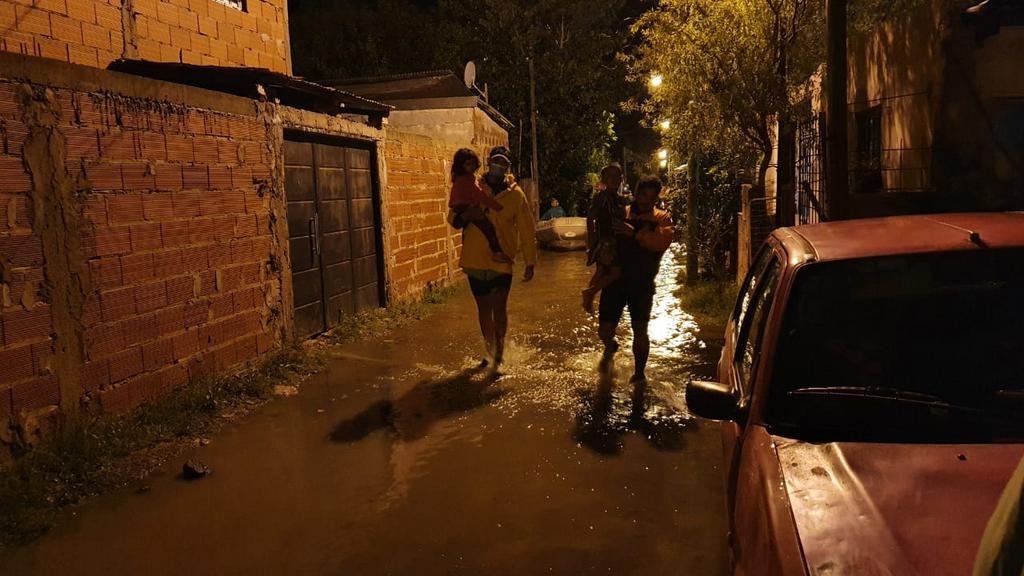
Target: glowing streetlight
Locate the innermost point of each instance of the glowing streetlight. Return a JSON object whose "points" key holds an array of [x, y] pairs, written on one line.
{"points": [[656, 80], [665, 124], [663, 163], [663, 154]]}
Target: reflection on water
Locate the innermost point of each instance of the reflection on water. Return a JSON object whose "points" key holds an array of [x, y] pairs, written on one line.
{"points": [[672, 329]]}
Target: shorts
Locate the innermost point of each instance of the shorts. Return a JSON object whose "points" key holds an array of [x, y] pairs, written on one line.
{"points": [[484, 282], [620, 295]]}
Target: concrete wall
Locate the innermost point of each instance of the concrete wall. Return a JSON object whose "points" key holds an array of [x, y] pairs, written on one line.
{"points": [[454, 124], [96, 32], [944, 97], [898, 68], [459, 127]]}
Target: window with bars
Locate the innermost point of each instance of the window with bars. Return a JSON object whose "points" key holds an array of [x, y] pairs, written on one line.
{"points": [[237, 4]]}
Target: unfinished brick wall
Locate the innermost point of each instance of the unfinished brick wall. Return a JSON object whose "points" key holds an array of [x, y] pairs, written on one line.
{"points": [[25, 323], [422, 247], [135, 246], [177, 244], [97, 32]]}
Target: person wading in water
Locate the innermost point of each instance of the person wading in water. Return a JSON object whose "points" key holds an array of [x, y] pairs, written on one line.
{"points": [[489, 279]]}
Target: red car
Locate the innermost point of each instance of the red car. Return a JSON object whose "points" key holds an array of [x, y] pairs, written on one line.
{"points": [[872, 393]]}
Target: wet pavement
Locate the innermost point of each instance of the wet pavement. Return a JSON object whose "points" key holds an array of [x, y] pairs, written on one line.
{"points": [[402, 458]]}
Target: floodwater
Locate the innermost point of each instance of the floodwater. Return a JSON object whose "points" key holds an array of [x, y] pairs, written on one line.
{"points": [[402, 458]]}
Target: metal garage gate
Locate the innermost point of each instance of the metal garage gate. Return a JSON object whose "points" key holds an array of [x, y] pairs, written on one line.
{"points": [[333, 228]]}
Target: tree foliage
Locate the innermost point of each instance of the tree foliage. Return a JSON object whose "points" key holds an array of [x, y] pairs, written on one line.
{"points": [[729, 67]]}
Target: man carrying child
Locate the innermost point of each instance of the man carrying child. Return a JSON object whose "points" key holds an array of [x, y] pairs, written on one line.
{"points": [[641, 236]]}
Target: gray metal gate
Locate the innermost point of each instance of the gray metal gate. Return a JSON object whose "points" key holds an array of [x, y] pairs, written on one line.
{"points": [[334, 232]]}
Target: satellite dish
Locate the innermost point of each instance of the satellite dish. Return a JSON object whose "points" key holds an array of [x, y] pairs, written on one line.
{"points": [[469, 77]]}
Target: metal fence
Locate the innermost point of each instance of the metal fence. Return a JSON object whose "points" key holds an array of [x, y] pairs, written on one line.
{"points": [[810, 171]]}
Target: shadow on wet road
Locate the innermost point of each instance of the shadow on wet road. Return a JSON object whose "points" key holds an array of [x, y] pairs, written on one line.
{"points": [[605, 416], [411, 416]]}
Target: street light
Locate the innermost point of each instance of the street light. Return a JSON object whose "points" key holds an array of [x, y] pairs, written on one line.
{"points": [[665, 124], [663, 155], [656, 80], [663, 163]]}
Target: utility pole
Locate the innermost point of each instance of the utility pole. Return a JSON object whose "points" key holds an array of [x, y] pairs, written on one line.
{"points": [[837, 182], [691, 220], [535, 169]]}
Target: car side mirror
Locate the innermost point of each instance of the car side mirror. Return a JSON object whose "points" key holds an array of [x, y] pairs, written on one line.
{"points": [[712, 400]]}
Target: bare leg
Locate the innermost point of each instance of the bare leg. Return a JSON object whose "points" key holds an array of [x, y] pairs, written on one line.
{"points": [[603, 277], [606, 331], [641, 348], [499, 304], [485, 313]]}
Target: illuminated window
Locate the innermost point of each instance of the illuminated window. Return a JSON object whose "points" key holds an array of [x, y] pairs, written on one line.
{"points": [[239, 4]]}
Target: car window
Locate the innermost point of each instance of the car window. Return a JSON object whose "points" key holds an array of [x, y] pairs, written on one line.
{"points": [[764, 257], [754, 321], [922, 345]]}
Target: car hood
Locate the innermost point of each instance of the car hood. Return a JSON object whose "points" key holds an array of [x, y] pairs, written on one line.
{"points": [[893, 509]]}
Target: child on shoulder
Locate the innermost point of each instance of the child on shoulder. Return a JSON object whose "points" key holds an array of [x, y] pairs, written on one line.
{"points": [[466, 194], [607, 208]]}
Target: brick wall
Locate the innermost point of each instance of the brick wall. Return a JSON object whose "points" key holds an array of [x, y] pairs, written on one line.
{"points": [[421, 245], [25, 323], [96, 32], [137, 244], [177, 242]]}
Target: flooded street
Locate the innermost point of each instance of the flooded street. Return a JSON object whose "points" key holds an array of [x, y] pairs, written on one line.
{"points": [[402, 458]]}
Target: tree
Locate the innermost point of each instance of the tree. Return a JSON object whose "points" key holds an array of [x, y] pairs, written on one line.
{"points": [[729, 67]]}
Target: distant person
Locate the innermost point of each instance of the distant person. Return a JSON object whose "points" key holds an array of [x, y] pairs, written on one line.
{"points": [[466, 193], [606, 209], [489, 279], [643, 237], [555, 211]]}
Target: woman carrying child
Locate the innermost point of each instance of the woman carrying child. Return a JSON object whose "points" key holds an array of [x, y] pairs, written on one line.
{"points": [[490, 276]]}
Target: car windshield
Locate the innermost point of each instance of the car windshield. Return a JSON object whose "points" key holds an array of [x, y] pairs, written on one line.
{"points": [[924, 347]]}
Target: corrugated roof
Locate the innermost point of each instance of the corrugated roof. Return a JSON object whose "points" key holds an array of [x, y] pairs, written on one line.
{"points": [[441, 88], [407, 86], [388, 77], [290, 90]]}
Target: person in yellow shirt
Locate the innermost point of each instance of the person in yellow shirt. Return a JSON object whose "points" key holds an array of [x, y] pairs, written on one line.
{"points": [[491, 280]]}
